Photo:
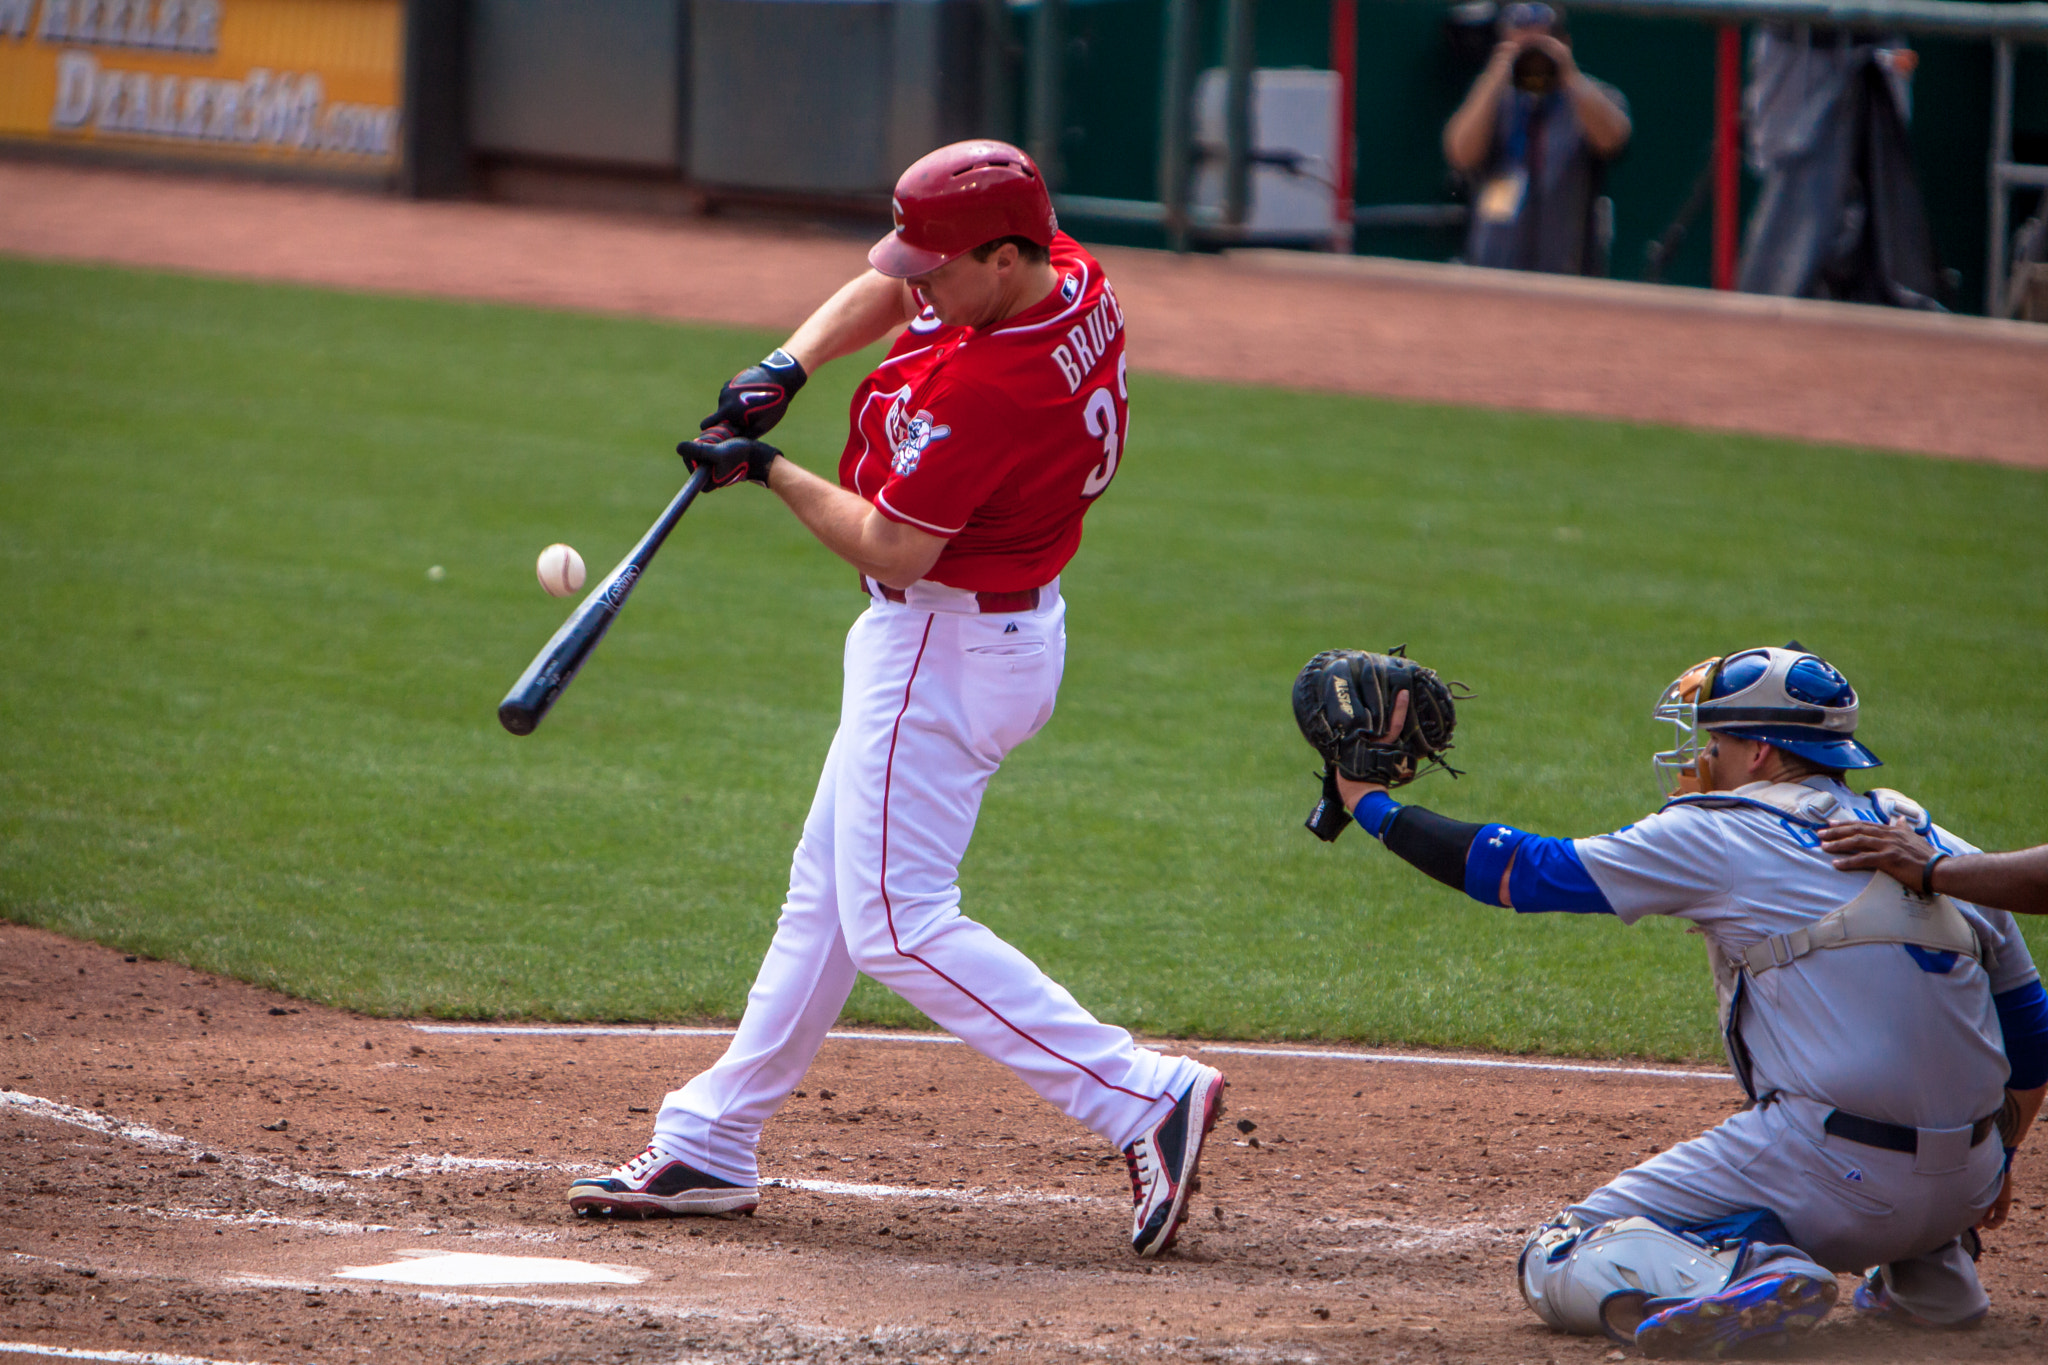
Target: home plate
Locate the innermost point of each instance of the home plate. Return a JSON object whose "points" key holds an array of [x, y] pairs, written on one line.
{"points": [[450, 1268]]}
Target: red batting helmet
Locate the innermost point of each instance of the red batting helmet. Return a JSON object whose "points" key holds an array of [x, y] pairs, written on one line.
{"points": [[952, 200]]}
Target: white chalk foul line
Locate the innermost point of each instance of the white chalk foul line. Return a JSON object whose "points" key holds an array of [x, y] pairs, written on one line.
{"points": [[156, 1140], [1241, 1049], [980, 1194], [260, 1218], [1411, 1236], [431, 1165], [660, 1031], [29, 1348], [141, 1134], [551, 1302], [1664, 1073]]}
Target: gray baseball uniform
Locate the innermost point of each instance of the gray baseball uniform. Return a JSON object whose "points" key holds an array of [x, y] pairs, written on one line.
{"points": [[1892, 1032], [1879, 1033]]}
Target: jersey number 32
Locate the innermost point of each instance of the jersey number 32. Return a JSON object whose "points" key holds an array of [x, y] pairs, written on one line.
{"points": [[1100, 415]]}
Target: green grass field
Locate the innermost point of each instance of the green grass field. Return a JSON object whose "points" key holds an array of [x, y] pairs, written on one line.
{"points": [[244, 729]]}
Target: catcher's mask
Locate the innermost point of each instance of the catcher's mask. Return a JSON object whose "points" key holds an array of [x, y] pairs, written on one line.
{"points": [[1787, 698]]}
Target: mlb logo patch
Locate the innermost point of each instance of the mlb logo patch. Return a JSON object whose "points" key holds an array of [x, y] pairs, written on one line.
{"points": [[1070, 288]]}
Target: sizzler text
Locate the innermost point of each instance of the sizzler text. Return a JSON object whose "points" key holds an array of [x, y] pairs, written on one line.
{"points": [[1088, 340]]}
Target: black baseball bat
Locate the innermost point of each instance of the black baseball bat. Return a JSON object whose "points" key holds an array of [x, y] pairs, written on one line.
{"points": [[554, 668]]}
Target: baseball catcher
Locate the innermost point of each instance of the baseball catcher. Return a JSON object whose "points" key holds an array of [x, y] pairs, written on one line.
{"points": [[1884, 1035]]}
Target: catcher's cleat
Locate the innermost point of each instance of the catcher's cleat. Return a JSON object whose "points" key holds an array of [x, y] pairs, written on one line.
{"points": [[1768, 1309], [655, 1186], [1874, 1301], [1163, 1162]]}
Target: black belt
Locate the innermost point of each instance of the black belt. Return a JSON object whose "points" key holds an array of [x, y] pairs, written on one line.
{"points": [[1891, 1136]]}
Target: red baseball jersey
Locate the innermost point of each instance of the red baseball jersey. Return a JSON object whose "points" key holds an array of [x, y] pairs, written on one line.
{"points": [[998, 438]]}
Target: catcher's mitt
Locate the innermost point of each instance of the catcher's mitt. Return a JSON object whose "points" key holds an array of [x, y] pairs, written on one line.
{"points": [[1344, 702]]}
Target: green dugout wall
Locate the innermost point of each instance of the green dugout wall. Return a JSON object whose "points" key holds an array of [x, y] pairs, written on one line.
{"points": [[1410, 80]]}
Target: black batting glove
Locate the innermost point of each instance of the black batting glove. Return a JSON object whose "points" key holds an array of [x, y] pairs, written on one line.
{"points": [[755, 399], [730, 458]]}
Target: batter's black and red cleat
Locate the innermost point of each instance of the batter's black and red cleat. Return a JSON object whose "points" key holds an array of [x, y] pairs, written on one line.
{"points": [[1163, 1162], [655, 1186]]}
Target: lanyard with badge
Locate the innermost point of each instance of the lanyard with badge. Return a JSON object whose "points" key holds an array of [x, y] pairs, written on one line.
{"points": [[1500, 199]]}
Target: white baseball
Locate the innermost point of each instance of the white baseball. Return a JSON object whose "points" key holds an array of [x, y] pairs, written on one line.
{"points": [[560, 570]]}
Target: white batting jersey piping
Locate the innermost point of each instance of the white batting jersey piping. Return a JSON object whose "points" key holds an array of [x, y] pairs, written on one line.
{"points": [[1080, 297], [896, 514]]}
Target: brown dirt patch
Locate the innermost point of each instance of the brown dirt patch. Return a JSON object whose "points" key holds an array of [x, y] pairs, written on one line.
{"points": [[1861, 376], [1376, 1219]]}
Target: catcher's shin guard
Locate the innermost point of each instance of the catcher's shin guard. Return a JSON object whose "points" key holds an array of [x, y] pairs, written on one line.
{"points": [[1594, 1279]]}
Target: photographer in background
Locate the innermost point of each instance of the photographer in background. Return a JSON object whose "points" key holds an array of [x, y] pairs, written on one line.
{"points": [[1533, 137]]}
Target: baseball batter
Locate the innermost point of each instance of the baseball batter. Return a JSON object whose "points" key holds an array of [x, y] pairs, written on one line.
{"points": [[975, 450], [1893, 1045]]}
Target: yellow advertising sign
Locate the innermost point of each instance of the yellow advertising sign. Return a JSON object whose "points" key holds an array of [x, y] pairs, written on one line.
{"points": [[301, 82]]}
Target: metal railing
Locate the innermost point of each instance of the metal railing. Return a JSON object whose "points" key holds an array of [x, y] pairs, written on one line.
{"points": [[2006, 176], [1953, 18]]}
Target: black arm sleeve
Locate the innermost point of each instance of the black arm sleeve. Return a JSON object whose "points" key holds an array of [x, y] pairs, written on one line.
{"points": [[1432, 842]]}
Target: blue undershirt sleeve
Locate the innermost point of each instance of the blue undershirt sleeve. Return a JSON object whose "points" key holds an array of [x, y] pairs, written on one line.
{"points": [[2023, 1015], [1491, 852], [1546, 873], [1374, 812]]}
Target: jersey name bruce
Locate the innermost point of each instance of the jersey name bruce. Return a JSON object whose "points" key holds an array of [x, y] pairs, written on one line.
{"points": [[1088, 340]]}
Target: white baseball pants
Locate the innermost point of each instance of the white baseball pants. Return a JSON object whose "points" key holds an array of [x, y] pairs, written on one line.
{"points": [[934, 699]]}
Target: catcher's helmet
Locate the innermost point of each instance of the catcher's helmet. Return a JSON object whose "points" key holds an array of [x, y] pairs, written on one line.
{"points": [[1787, 698], [952, 200]]}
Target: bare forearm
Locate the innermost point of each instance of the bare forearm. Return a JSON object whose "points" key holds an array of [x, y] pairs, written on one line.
{"points": [[1605, 126], [866, 309], [2026, 1105], [2005, 881], [2013, 1121], [1469, 135], [850, 527]]}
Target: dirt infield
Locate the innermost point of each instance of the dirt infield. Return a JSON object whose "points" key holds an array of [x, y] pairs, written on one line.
{"points": [[1951, 386], [190, 1161]]}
